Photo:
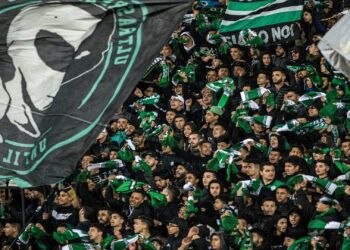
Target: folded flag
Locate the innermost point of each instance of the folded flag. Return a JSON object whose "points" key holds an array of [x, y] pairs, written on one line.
{"points": [[147, 120], [107, 164], [250, 104], [264, 120], [248, 187], [129, 186], [252, 39], [124, 243], [302, 244], [215, 39], [69, 235], [325, 185], [118, 181], [184, 75], [228, 86], [190, 207], [142, 166], [271, 100], [222, 158], [344, 177], [154, 131], [125, 155], [253, 94], [157, 199], [229, 223], [310, 97], [107, 241], [165, 78], [247, 241], [231, 170], [169, 140], [149, 100], [244, 124], [220, 84], [256, 145], [83, 176], [79, 246], [119, 137], [32, 231], [301, 128], [320, 224], [342, 167]]}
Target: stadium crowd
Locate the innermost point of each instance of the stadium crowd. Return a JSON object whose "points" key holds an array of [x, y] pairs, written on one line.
{"points": [[218, 147]]}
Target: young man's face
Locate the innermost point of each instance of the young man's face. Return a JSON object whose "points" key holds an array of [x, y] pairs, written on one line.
{"points": [[282, 225], [210, 117], [191, 178], [150, 160], [136, 199], [294, 219], [103, 217], [235, 53], [295, 152], [277, 77], [180, 123], [87, 159], [138, 226], [268, 173], [122, 123], [288, 241], [63, 199], [218, 131], [170, 115], [223, 72], [280, 52], [321, 169], [160, 183], [345, 147], [180, 172], [274, 157], [282, 195], [208, 177], [269, 208], [218, 204], [207, 98], [173, 229], [321, 207], [211, 76], [116, 220], [194, 140], [175, 104], [94, 233], [261, 79], [9, 230], [290, 168], [206, 149], [266, 59], [252, 170]]}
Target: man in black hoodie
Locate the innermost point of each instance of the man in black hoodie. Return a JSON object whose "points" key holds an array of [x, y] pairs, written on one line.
{"points": [[177, 229]]}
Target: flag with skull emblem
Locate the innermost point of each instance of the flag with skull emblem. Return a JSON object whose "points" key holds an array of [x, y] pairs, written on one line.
{"points": [[65, 66]]}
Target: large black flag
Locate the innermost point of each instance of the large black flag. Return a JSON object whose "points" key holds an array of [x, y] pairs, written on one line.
{"points": [[65, 67]]}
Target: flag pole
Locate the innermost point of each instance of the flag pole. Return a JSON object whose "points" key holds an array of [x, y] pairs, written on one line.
{"points": [[38, 210], [23, 208]]}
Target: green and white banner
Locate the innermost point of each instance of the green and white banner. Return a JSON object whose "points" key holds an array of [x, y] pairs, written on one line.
{"points": [[272, 20]]}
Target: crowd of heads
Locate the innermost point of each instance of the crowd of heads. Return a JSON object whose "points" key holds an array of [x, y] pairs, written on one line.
{"points": [[220, 146]]}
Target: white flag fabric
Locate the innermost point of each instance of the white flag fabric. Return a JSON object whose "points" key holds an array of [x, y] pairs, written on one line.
{"points": [[335, 45]]}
